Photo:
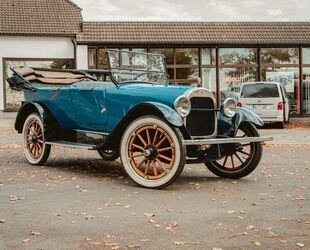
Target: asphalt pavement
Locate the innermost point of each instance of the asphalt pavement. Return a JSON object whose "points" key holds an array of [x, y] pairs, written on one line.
{"points": [[78, 201]]}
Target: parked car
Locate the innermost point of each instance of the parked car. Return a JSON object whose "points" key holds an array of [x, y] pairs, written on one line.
{"points": [[153, 126], [266, 99]]}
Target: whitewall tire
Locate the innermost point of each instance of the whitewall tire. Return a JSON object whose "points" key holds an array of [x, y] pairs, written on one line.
{"points": [[152, 153], [35, 149]]}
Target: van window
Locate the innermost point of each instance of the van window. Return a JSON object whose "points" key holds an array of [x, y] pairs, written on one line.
{"points": [[262, 90]]}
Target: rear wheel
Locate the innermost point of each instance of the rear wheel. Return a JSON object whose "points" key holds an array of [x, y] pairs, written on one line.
{"points": [[35, 149], [243, 160], [152, 153]]}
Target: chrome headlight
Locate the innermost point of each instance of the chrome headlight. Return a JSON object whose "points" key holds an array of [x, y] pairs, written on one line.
{"points": [[229, 107], [182, 105]]}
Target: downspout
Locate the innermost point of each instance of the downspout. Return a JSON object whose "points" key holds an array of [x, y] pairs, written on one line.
{"points": [[73, 40]]}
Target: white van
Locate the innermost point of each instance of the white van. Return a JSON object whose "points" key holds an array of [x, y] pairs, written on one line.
{"points": [[267, 99]]}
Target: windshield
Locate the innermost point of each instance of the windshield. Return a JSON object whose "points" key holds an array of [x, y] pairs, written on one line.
{"points": [[137, 66], [261, 90]]}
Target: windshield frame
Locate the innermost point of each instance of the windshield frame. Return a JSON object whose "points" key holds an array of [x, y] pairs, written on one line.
{"points": [[130, 70]]}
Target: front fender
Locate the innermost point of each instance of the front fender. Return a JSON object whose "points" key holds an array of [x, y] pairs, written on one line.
{"points": [[170, 114], [229, 126], [147, 108]]}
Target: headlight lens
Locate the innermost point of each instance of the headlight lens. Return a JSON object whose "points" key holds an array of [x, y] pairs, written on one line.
{"points": [[182, 105], [229, 107]]}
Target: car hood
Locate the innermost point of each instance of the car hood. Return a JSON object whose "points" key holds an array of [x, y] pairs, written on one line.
{"points": [[136, 93]]}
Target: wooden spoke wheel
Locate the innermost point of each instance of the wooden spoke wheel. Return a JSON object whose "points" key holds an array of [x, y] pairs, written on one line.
{"points": [[108, 155], [242, 160], [35, 149], [152, 153]]}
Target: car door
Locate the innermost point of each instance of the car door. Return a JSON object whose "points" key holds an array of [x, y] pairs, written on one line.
{"points": [[89, 104]]}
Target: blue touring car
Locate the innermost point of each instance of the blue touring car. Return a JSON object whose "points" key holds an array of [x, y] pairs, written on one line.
{"points": [[132, 112]]}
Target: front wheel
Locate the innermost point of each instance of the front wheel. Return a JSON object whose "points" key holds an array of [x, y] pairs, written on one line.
{"points": [[152, 153], [243, 160], [35, 149]]}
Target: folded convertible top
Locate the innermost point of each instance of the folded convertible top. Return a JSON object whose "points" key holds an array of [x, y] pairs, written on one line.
{"points": [[51, 76]]}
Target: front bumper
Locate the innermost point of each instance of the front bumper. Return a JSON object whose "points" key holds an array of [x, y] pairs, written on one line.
{"points": [[226, 140]]}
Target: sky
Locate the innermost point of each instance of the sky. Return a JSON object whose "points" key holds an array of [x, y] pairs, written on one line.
{"points": [[195, 10]]}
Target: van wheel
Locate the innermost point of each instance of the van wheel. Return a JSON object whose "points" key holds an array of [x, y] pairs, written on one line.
{"points": [[35, 149], [280, 124], [152, 152]]}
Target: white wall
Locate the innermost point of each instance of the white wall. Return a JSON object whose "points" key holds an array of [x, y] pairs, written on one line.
{"points": [[82, 57], [33, 47]]}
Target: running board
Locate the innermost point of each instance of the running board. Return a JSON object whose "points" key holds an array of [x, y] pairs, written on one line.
{"points": [[227, 140], [71, 144]]}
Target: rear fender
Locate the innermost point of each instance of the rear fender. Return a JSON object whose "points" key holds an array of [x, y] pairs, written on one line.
{"points": [[49, 122], [148, 108]]}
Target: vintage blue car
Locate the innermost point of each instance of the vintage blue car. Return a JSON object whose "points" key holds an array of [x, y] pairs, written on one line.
{"points": [[131, 111]]}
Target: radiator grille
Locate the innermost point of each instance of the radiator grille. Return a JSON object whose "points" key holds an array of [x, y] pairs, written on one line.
{"points": [[201, 119]]}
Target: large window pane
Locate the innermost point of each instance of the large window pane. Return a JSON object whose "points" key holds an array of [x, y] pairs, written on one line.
{"points": [[186, 56], [289, 77], [231, 80], [92, 58], [209, 79], [187, 73], [168, 53], [102, 59], [306, 90], [234, 56], [207, 56], [306, 55], [279, 55]]}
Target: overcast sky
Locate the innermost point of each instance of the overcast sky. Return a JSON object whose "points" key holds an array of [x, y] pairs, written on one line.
{"points": [[195, 10]]}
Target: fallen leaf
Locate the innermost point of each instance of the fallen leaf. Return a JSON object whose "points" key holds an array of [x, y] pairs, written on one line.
{"points": [[250, 227], [35, 233], [133, 246], [149, 215], [157, 225], [2, 220], [26, 240], [127, 206], [256, 243], [301, 245], [180, 243], [88, 217]]}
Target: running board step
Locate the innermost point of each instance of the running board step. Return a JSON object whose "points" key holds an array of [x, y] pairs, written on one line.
{"points": [[71, 144]]}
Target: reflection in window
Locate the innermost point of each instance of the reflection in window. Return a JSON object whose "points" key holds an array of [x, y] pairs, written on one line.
{"points": [[187, 56], [233, 56], [102, 59], [231, 80], [289, 77], [187, 73], [168, 53], [279, 55], [207, 56], [209, 79], [306, 90]]}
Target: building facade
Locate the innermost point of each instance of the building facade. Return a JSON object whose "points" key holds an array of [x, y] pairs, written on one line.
{"points": [[220, 55]]}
